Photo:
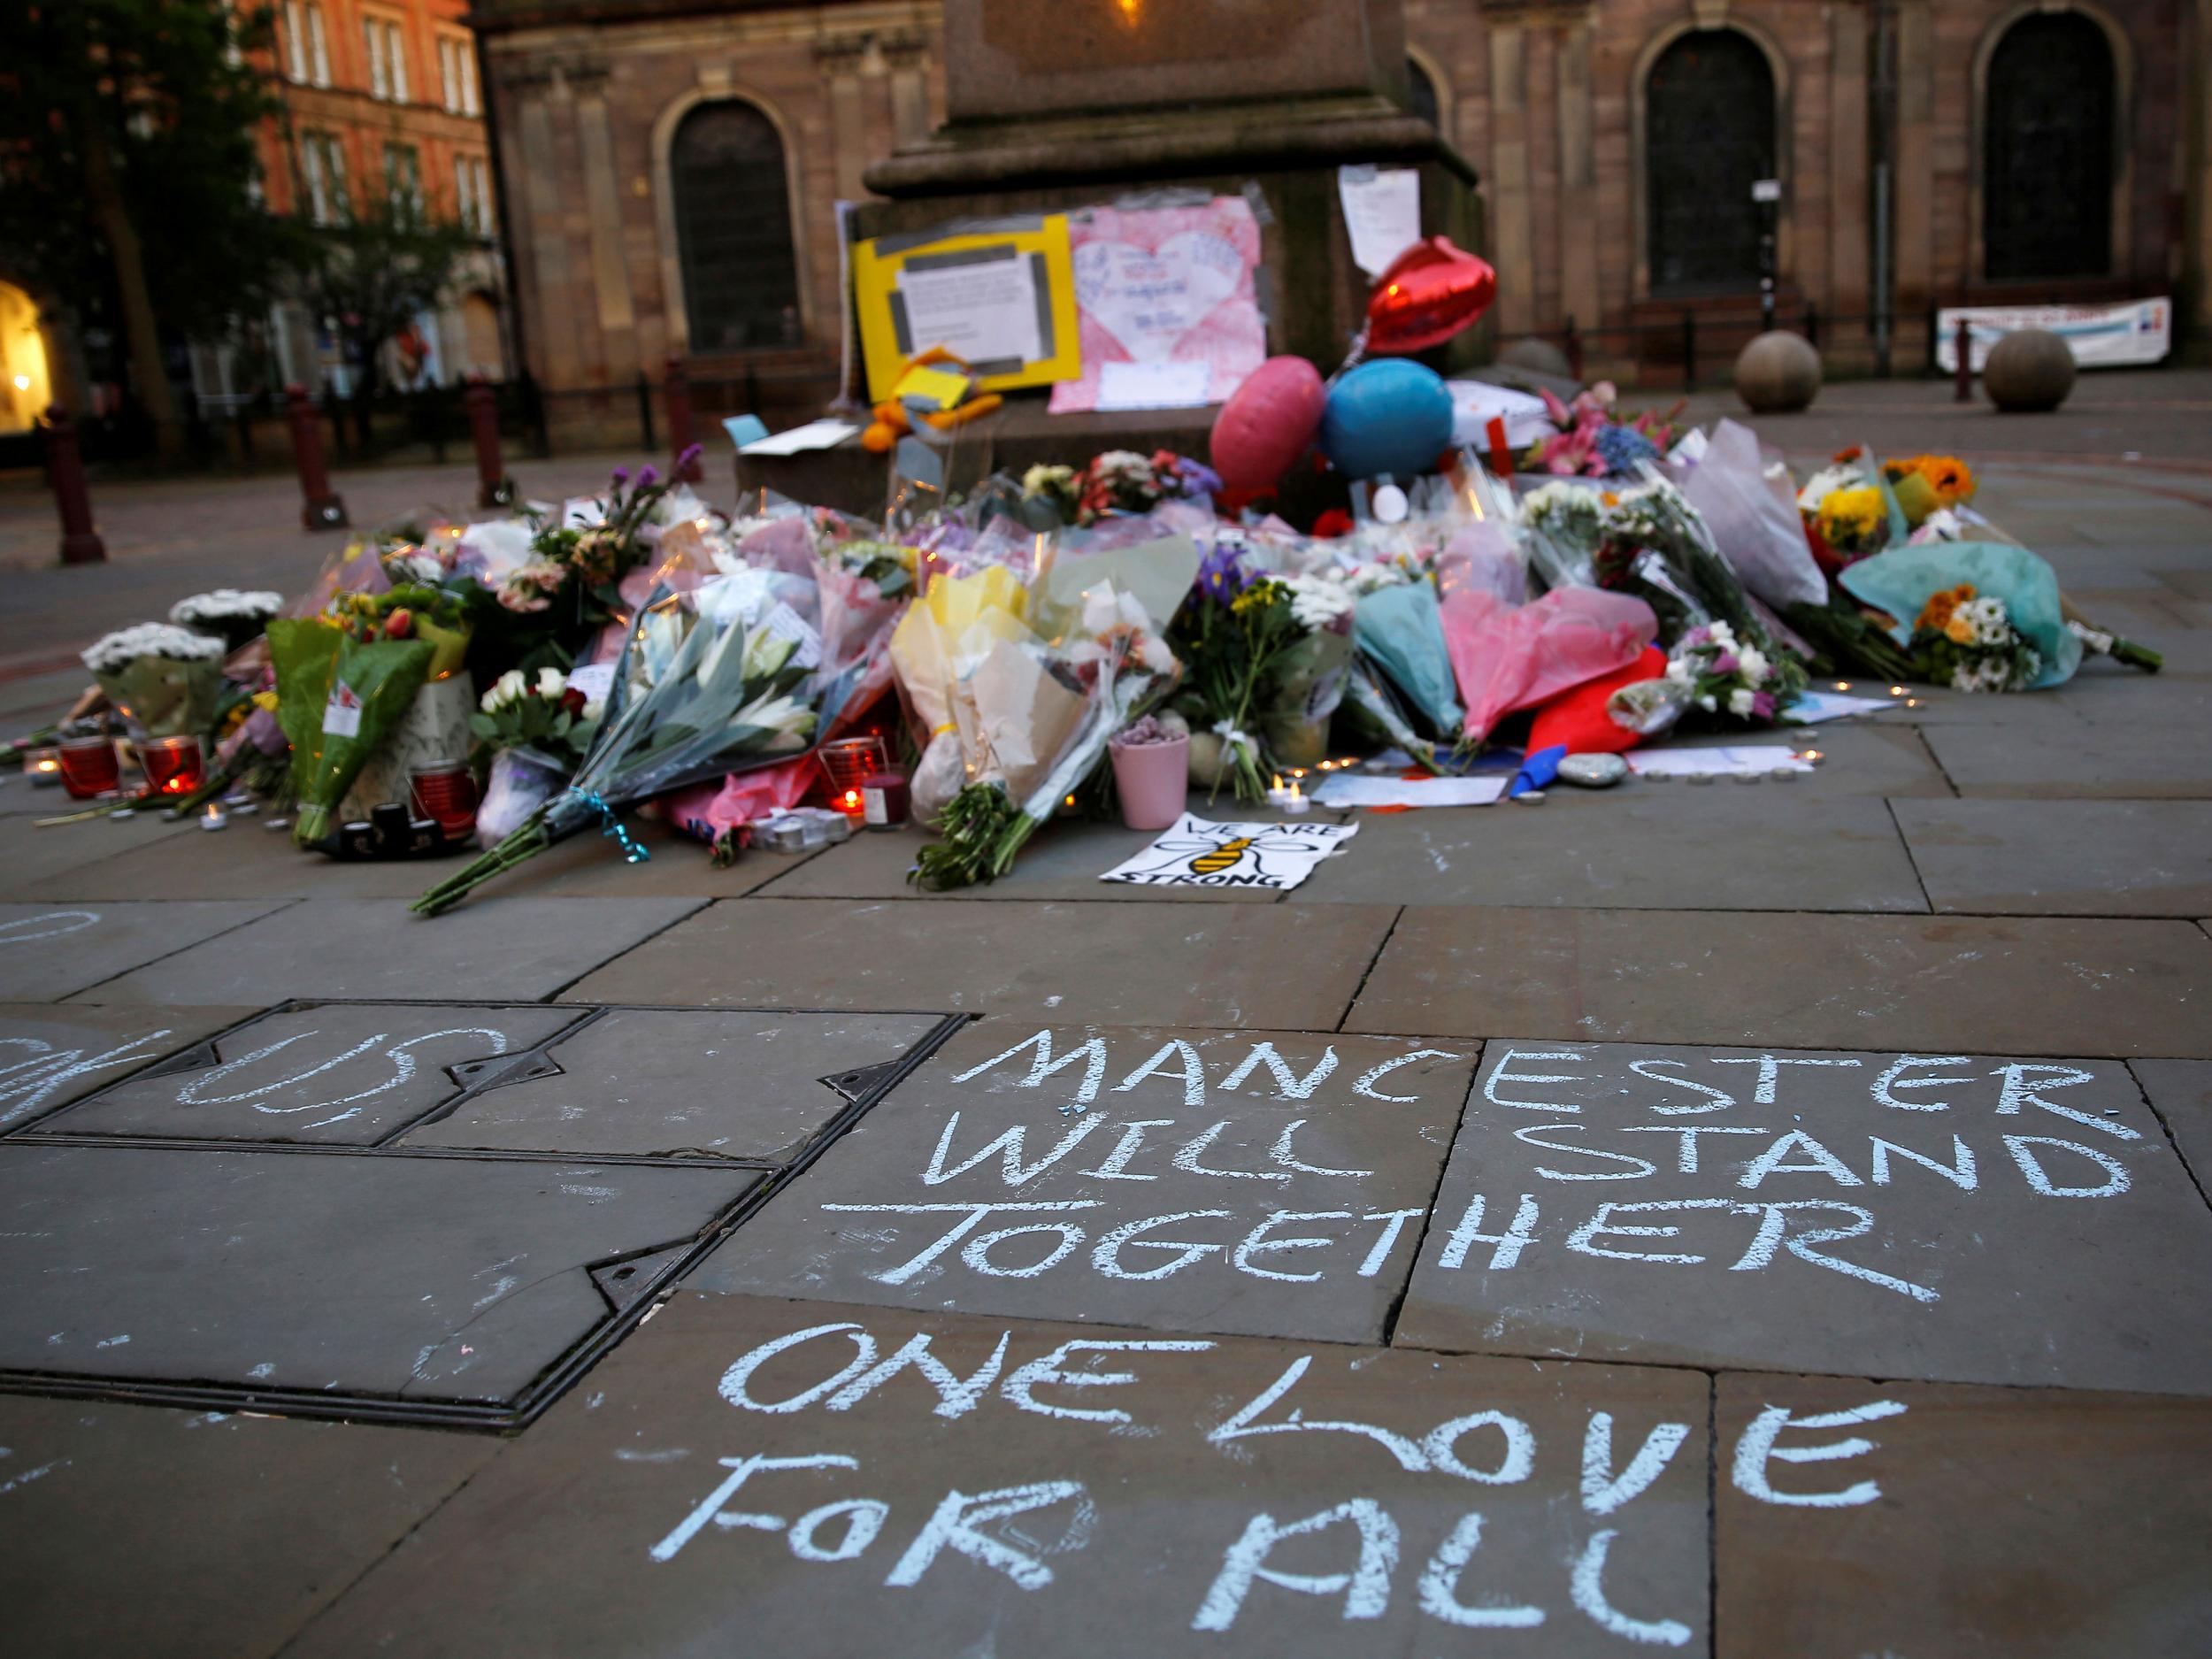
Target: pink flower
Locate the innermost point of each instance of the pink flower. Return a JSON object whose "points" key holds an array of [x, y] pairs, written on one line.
{"points": [[1724, 663]]}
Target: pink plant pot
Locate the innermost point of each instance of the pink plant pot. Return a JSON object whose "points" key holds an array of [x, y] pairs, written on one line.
{"points": [[1153, 780]]}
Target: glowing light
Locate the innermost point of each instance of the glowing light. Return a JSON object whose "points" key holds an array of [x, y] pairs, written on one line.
{"points": [[1896, 691], [22, 382], [1843, 685]]}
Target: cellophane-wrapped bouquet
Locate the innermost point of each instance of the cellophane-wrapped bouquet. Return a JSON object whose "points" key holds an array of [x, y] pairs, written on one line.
{"points": [[165, 680]]}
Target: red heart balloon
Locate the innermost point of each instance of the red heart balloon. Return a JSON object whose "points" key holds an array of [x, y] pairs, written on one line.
{"points": [[1430, 293]]}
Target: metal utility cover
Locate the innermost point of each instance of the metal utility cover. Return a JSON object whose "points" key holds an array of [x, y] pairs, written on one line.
{"points": [[340, 1074], [1879, 1214], [50, 1055], [361, 1274], [651, 1083], [1266, 1184], [1058, 1489]]}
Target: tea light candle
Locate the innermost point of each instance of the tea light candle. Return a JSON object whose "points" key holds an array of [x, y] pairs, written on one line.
{"points": [[215, 818], [1277, 795], [1296, 803], [43, 766]]}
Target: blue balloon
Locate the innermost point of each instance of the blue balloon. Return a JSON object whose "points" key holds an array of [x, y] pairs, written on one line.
{"points": [[1388, 416]]}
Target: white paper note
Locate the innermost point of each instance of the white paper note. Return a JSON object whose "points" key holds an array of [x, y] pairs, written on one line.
{"points": [[1382, 210], [1747, 759], [816, 434], [1152, 385], [1345, 788], [1809, 708], [985, 312]]}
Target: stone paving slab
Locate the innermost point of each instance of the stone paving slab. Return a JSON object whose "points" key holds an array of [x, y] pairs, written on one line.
{"points": [[337, 1074], [2180, 1091], [1079, 1490], [1936, 984], [1926, 1216], [648, 1082], [1176, 1179], [2157, 761], [246, 861], [2055, 714], [1972, 1523], [1064, 861], [1881, 755], [1668, 846], [31, 855], [1137, 962], [505, 948], [49, 951], [2062, 857], [174, 1535], [432, 1277], [51, 1055]]}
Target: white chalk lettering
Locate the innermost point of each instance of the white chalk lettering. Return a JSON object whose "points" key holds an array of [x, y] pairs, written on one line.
{"points": [[1187, 1160], [1584, 1238], [863, 1519], [1895, 1079], [1773, 1230], [1441, 1445], [1246, 1423], [2115, 1172], [1117, 1161], [1280, 1152], [957, 1396], [1715, 1100], [1823, 1163], [971, 1216], [1756, 1448], [741, 1469], [1440, 1584], [1374, 1074], [1288, 1083], [1052, 1368], [977, 1252], [1533, 1136], [1686, 1150], [1501, 1073], [1092, 1054], [1770, 1070], [1255, 1242], [1959, 1172], [1604, 1492], [733, 1382], [28, 1083], [1010, 1146], [1366, 1589], [1106, 1254], [1193, 1071], [2023, 1079], [1510, 1243], [1587, 1586], [954, 1526], [1394, 1221]]}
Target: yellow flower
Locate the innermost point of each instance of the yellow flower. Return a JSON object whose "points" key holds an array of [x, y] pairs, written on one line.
{"points": [[1959, 631]]}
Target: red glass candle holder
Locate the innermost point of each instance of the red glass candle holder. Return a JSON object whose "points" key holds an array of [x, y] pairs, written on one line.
{"points": [[445, 793], [89, 767], [173, 766], [849, 763], [884, 800]]}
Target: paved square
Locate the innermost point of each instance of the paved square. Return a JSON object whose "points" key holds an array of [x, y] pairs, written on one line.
{"points": [[776, 1477], [1267, 1184], [1878, 1214], [49, 952], [178, 1535], [2062, 857], [655, 1083], [1137, 962], [508, 946], [335, 1075], [1973, 1522], [355, 1274], [52, 1054]]}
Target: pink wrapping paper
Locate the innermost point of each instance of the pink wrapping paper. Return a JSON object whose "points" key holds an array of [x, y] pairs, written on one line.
{"points": [[1167, 285], [1506, 657]]}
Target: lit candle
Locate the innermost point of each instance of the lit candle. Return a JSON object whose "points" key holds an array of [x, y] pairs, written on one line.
{"points": [[1296, 803], [1843, 685], [214, 818], [1896, 691], [1812, 757], [1276, 793]]}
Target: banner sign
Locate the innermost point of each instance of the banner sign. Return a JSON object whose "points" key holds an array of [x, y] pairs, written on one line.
{"points": [[2101, 336]]}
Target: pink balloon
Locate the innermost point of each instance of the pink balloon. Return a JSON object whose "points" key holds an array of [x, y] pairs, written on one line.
{"points": [[1270, 422]]}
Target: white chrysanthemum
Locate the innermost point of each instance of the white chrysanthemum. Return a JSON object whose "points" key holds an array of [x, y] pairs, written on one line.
{"points": [[225, 603], [1752, 663], [1316, 601], [126, 645], [1740, 702]]}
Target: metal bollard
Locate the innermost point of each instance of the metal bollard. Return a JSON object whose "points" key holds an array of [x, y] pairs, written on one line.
{"points": [[1965, 393], [80, 543], [493, 486], [676, 388], [321, 508]]}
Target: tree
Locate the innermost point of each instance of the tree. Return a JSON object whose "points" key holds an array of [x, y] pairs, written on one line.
{"points": [[128, 166], [375, 267]]}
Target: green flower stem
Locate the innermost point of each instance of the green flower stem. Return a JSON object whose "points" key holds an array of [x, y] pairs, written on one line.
{"points": [[520, 847]]}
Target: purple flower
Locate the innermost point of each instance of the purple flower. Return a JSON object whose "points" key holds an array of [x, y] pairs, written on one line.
{"points": [[1724, 663], [621, 476], [647, 477], [1195, 479], [1222, 576], [1763, 704], [692, 452], [1697, 636]]}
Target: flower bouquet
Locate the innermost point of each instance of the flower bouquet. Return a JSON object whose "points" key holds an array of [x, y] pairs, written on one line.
{"points": [[1595, 442], [1310, 676], [230, 616], [339, 694], [1901, 581], [1928, 484], [1712, 671], [1234, 633], [1119, 483], [1967, 641], [165, 680], [704, 685], [537, 730], [1120, 668]]}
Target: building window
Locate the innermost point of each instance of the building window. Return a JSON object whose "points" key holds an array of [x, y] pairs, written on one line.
{"points": [[323, 173], [387, 59], [473, 195], [1421, 95], [2047, 182], [318, 47], [733, 229], [1708, 137], [457, 74], [295, 41], [402, 179]]}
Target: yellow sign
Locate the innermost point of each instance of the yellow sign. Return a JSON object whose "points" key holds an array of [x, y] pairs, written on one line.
{"points": [[1001, 298]]}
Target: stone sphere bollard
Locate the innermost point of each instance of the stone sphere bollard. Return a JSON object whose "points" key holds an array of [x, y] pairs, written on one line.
{"points": [[1538, 356], [2029, 372], [1778, 374]]}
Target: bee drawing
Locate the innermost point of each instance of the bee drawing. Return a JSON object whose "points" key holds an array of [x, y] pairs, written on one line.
{"points": [[1222, 858], [1211, 858]]}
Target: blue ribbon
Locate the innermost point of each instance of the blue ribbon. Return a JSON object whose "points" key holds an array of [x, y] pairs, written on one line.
{"points": [[631, 851]]}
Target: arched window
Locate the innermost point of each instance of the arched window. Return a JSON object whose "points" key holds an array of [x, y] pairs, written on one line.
{"points": [[1708, 137], [1421, 97], [2047, 183], [733, 229]]}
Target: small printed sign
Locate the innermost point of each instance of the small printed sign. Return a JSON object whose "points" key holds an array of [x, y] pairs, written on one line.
{"points": [[1197, 852], [341, 714]]}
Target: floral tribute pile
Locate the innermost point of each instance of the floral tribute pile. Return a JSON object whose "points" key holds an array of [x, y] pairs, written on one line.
{"points": [[575, 666]]}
